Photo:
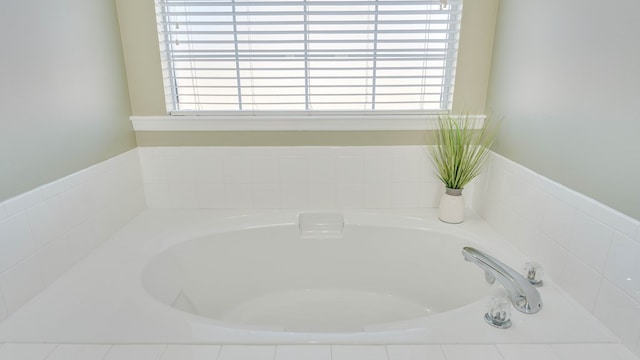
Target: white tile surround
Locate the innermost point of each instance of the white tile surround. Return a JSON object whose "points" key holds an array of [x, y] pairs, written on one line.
{"points": [[44, 232], [592, 250], [290, 177]]}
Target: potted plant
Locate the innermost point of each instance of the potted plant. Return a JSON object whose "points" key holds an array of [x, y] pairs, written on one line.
{"points": [[459, 153]]}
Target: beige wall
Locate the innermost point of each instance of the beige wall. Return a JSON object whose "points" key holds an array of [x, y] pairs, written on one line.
{"points": [[566, 79], [142, 56], [63, 89]]}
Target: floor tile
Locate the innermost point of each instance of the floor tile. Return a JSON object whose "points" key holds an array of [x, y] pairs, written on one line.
{"points": [[415, 352], [354, 352], [527, 352], [247, 352], [135, 352], [26, 351], [306, 352], [79, 352], [191, 352], [471, 352]]}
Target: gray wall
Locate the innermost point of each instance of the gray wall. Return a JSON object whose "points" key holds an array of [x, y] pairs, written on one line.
{"points": [[566, 78], [63, 90]]}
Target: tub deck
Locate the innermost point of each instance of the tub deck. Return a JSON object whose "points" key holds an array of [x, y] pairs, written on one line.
{"points": [[99, 301]]}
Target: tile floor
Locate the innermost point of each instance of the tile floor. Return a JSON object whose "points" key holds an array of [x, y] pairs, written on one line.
{"points": [[14, 351]]}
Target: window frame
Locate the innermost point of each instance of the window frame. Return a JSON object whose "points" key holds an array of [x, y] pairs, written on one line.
{"points": [[294, 120]]}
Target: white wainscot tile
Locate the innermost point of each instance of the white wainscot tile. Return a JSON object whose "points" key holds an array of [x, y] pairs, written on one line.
{"points": [[321, 169], [79, 352], [581, 282], [16, 242], [415, 352], [377, 195], [378, 169], [613, 218], [135, 352], [527, 352], [623, 265], [471, 352], [405, 194], [46, 221], [558, 221], [23, 202], [100, 194], [552, 257], [84, 238], [590, 241], [406, 165], [491, 207], [293, 170], [356, 151], [322, 195], [157, 195], [350, 169], [56, 187], [191, 352], [76, 205], [293, 196], [184, 196], [533, 207], [152, 167], [212, 196], [244, 352], [520, 232], [349, 195], [585, 352], [427, 170], [306, 352], [354, 352], [181, 169], [512, 195], [209, 169], [20, 283], [265, 169], [54, 259], [266, 196], [26, 351], [430, 194], [619, 312], [238, 196], [307, 151]]}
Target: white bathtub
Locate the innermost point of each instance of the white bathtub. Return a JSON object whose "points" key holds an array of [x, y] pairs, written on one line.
{"points": [[353, 278], [207, 277]]}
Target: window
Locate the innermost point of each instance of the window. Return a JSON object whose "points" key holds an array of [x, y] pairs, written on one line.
{"points": [[308, 55]]}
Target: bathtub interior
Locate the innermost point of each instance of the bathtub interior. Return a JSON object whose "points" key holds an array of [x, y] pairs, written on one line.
{"points": [[274, 277]]}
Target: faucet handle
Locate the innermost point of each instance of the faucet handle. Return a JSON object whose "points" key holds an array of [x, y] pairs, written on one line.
{"points": [[498, 313], [534, 273]]}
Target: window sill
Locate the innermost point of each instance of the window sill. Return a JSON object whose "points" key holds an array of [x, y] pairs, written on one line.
{"points": [[291, 122]]}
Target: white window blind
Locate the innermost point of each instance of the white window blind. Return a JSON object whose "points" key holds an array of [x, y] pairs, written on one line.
{"points": [[297, 55]]}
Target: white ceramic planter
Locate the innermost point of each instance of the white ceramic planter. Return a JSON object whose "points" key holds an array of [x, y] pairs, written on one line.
{"points": [[452, 206]]}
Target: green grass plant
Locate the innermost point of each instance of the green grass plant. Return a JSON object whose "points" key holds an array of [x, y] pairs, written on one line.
{"points": [[461, 151]]}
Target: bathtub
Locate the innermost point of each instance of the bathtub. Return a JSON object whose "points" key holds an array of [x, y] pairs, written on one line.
{"points": [[286, 277]]}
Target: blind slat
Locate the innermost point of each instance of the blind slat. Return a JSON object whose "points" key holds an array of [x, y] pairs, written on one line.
{"points": [[273, 54]]}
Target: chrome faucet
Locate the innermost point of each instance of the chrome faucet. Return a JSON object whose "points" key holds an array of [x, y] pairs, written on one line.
{"points": [[524, 296]]}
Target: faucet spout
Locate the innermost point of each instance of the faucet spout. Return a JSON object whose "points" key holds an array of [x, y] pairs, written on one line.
{"points": [[524, 296]]}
